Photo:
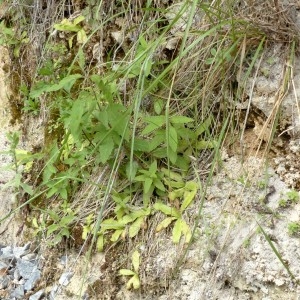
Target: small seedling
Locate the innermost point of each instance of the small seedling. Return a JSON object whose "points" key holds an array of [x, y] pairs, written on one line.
{"points": [[134, 281], [294, 228], [293, 196]]}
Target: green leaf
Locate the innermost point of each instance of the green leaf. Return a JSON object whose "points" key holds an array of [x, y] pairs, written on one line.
{"points": [[167, 210], [51, 228], [81, 36], [131, 170], [66, 220], [136, 261], [153, 168], [180, 120], [186, 230], [133, 282], [177, 231], [172, 175], [100, 243], [111, 224], [67, 82], [116, 235], [78, 20], [65, 232], [27, 188], [165, 223], [158, 106], [141, 145], [172, 139], [135, 227], [204, 126], [175, 194], [147, 184], [158, 184], [202, 145], [172, 156], [105, 150], [66, 25], [155, 122], [126, 272], [188, 197]]}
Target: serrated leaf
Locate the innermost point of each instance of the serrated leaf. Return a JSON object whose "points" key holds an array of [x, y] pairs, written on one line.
{"points": [[126, 272], [180, 120], [141, 145], [165, 223], [167, 210], [67, 82], [136, 261], [177, 231], [154, 122], [135, 227], [105, 150]]}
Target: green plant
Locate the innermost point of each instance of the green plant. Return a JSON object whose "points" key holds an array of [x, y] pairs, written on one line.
{"points": [[294, 228], [8, 36], [185, 196], [73, 26], [134, 281], [283, 203], [293, 196], [56, 224]]}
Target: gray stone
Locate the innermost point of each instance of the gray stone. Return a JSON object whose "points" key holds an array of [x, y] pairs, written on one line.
{"points": [[4, 281], [21, 251], [37, 295], [7, 253], [18, 292], [65, 278], [30, 283]]}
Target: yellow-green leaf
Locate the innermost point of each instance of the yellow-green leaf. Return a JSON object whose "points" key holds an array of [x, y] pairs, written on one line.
{"points": [[172, 139], [81, 36], [188, 197], [100, 243], [135, 227], [165, 223], [186, 230], [172, 175], [134, 282], [116, 235], [126, 272], [136, 261], [177, 231], [167, 210], [78, 19]]}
